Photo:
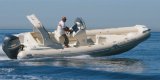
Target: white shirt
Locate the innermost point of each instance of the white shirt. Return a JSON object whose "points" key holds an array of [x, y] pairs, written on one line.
{"points": [[60, 27]]}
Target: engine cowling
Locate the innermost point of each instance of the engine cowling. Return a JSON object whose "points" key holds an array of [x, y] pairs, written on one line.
{"points": [[11, 46]]}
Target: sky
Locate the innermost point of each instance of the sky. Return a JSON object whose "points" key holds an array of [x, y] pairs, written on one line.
{"points": [[96, 13]]}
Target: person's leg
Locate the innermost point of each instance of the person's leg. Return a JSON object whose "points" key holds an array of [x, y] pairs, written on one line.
{"points": [[66, 40]]}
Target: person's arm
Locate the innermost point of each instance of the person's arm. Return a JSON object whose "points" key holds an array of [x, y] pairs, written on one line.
{"points": [[64, 27]]}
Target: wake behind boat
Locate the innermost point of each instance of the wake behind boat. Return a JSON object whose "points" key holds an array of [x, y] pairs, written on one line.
{"points": [[99, 42]]}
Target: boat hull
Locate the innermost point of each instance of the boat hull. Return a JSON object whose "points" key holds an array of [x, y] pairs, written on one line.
{"points": [[92, 50]]}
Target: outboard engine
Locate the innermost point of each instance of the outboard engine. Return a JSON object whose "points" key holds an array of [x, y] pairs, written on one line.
{"points": [[11, 46]]}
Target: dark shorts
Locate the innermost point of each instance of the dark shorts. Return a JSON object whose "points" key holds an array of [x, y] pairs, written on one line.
{"points": [[66, 40]]}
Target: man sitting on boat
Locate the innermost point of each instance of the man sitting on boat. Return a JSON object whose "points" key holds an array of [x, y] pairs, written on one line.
{"points": [[61, 29]]}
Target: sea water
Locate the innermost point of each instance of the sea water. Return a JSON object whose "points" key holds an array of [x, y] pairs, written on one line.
{"points": [[140, 63]]}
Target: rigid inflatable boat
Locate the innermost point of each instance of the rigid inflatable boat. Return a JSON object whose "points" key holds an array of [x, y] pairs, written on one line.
{"points": [[98, 42]]}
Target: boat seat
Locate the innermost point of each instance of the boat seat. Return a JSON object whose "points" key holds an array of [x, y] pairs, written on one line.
{"points": [[101, 39]]}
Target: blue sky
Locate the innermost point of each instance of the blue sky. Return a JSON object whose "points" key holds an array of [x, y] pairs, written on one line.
{"points": [[96, 13]]}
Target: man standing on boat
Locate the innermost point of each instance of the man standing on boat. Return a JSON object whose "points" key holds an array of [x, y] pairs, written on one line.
{"points": [[61, 29]]}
